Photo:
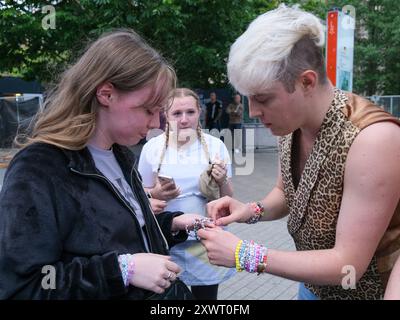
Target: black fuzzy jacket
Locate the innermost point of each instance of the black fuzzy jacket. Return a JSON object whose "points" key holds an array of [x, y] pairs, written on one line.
{"points": [[57, 209]]}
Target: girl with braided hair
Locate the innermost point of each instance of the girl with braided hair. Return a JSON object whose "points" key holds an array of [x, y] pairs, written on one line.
{"points": [[183, 152]]}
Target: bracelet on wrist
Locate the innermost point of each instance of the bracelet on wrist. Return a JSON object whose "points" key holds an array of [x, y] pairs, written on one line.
{"points": [[237, 260], [251, 257], [258, 212], [126, 265], [262, 264]]}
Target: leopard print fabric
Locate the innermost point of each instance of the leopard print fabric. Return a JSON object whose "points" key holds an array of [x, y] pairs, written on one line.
{"points": [[314, 206]]}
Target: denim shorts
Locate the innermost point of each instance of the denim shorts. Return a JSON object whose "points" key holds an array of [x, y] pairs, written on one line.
{"points": [[305, 294]]}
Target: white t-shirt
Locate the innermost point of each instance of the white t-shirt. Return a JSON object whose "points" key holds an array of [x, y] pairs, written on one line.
{"points": [[107, 164], [185, 165]]}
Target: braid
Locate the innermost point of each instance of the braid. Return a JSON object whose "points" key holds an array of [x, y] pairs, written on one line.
{"points": [[203, 142], [167, 135], [165, 146]]}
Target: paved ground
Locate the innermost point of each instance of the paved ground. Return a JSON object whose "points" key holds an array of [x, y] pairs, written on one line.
{"points": [[254, 186], [245, 286]]}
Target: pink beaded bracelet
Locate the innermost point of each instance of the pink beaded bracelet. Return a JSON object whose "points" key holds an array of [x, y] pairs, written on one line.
{"points": [[131, 266], [258, 209]]}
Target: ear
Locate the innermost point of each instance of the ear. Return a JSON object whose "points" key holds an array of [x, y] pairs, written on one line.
{"points": [[104, 93], [308, 80]]}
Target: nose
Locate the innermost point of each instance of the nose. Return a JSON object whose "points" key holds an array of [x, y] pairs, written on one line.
{"points": [[155, 121], [254, 109], [183, 118]]}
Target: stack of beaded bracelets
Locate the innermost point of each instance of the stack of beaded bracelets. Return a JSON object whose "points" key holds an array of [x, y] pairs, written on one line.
{"points": [[258, 209], [251, 257], [127, 267]]}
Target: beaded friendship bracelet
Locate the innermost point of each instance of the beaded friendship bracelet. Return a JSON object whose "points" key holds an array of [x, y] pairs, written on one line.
{"points": [[258, 210], [262, 265], [127, 266], [197, 225], [237, 262], [251, 257]]}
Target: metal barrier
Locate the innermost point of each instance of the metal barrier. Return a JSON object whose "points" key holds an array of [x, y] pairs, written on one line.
{"points": [[390, 104], [16, 114]]}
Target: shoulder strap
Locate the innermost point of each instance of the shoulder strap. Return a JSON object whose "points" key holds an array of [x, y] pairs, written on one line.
{"points": [[362, 112]]}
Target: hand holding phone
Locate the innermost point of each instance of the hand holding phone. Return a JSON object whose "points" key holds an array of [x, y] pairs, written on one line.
{"points": [[165, 179], [165, 188]]}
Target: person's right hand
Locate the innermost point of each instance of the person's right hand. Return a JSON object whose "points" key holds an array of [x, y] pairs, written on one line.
{"points": [[226, 210], [166, 191], [153, 272]]}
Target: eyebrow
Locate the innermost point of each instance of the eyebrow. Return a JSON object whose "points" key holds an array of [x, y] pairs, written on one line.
{"points": [[189, 109], [263, 95]]}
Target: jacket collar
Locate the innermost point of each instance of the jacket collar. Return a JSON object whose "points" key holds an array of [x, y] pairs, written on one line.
{"points": [[82, 160]]}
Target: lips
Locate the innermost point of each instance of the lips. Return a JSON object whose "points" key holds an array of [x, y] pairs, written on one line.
{"points": [[186, 129]]}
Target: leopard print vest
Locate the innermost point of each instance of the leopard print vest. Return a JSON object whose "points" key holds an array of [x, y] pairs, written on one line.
{"points": [[314, 206]]}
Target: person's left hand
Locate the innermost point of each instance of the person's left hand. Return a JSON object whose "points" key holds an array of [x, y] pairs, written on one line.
{"points": [[219, 172], [185, 220], [157, 206], [220, 245]]}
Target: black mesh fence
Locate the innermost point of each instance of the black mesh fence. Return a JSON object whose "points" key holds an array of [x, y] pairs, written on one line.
{"points": [[15, 117]]}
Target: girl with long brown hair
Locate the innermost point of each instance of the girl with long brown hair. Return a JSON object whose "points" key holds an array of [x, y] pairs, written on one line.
{"points": [[72, 201]]}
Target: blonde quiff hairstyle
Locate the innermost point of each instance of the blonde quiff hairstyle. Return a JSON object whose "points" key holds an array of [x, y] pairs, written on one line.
{"points": [[122, 58], [277, 46]]}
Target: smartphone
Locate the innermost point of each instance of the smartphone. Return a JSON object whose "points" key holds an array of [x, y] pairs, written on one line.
{"points": [[165, 179]]}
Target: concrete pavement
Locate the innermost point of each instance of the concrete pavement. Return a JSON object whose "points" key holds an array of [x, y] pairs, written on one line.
{"points": [[245, 286]]}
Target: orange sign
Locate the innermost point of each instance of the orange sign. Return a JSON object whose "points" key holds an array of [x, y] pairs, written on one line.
{"points": [[331, 46]]}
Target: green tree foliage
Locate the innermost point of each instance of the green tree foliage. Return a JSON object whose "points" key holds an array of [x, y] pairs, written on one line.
{"points": [[377, 45], [195, 35]]}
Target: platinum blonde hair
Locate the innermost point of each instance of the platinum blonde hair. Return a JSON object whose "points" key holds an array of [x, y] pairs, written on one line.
{"points": [[277, 46]]}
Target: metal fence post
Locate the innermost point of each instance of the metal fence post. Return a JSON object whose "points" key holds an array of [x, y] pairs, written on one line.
{"points": [[391, 105]]}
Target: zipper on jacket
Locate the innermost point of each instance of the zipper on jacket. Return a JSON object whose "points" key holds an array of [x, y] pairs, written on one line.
{"points": [[119, 196], [151, 210]]}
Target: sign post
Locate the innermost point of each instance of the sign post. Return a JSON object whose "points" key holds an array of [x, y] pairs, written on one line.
{"points": [[340, 49]]}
